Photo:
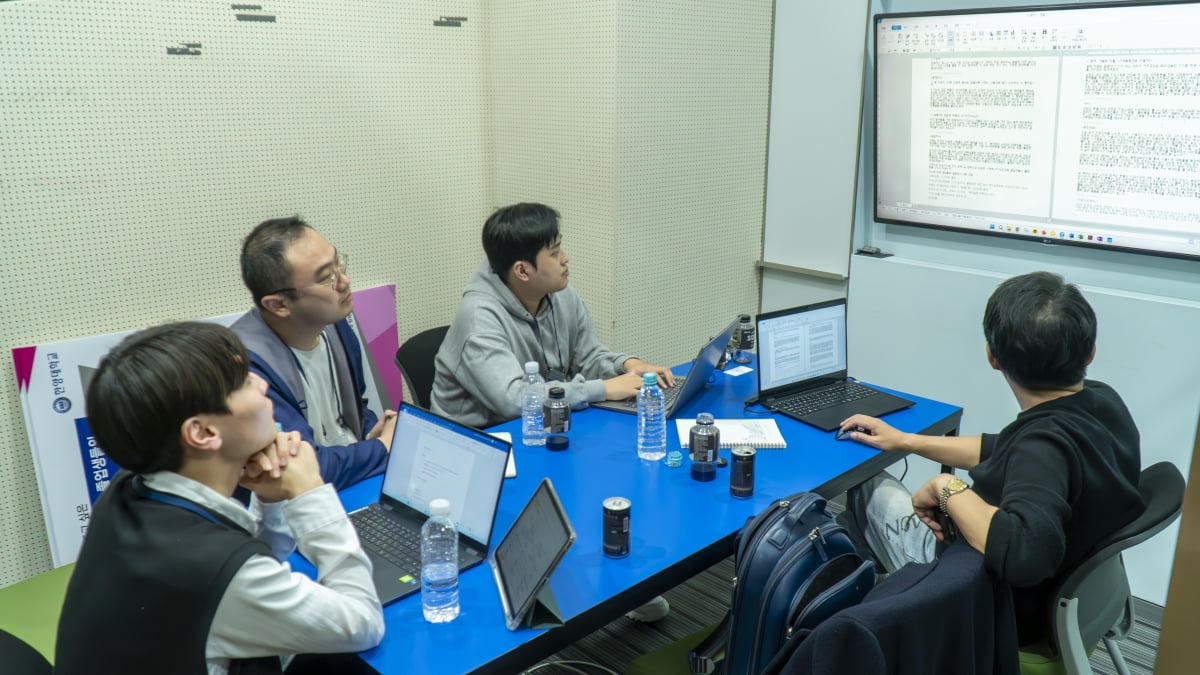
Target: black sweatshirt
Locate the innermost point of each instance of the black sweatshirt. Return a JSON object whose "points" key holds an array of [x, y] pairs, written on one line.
{"points": [[1064, 475]]}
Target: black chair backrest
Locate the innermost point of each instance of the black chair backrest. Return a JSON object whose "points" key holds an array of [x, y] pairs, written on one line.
{"points": [[1100, 581], [18, 658], [415, 360]]}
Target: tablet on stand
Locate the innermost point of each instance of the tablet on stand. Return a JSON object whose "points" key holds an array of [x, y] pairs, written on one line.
{"points": [[524, 560]]}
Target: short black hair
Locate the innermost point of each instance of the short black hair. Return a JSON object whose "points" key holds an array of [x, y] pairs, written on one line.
{"points": [[155, 379], [265, 269], [1041, 331], [518, 232]]}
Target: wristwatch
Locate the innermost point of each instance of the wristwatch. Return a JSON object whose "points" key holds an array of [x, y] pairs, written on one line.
{"points": [[952, 487]]}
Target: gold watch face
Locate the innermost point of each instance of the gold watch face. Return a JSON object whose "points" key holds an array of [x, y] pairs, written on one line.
{"points": [[956, 485]]}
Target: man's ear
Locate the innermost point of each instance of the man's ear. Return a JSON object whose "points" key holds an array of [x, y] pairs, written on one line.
{"points": [[521, 270], [992, 359], [1091, 356], [196, 432], [277, 304]]}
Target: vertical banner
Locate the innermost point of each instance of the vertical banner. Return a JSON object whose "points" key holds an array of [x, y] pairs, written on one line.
{"points": [[51, 380], [72, 470]]}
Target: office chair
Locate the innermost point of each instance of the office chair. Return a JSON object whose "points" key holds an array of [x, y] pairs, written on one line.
{"points": [[29, 612], [1092, 602], [414, 358]]}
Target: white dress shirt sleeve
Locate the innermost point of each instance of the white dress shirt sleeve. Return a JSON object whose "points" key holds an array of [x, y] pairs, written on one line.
{"points": [[268, 609]]}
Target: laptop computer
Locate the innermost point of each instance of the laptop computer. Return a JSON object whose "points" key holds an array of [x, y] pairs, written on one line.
{"points": [[431, 457], [802, 368], [686, 386]]}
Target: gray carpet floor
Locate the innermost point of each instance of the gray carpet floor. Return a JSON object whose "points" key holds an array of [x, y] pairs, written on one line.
{"points": [[702, 602]]}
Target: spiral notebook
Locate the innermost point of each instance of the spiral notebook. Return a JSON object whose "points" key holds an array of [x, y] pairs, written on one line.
{"points": [[761, 433]]}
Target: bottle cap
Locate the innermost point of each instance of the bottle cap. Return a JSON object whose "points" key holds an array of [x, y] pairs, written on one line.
{"points": [[674, 458], [704, 418], [531, 367], [439, 507], [557, 392], [557, 443], [649, 379]]}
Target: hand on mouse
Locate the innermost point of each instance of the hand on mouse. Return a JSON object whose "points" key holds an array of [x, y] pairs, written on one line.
{"points": [[844, 434], [873, 432]]}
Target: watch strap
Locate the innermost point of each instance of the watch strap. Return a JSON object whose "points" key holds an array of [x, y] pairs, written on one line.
{"points": [[952, 487]]}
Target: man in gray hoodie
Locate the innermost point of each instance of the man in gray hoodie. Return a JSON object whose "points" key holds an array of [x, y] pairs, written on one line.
{"points": [[518, 307]]}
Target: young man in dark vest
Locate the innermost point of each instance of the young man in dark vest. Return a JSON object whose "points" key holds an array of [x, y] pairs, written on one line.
{"points": [[175, 576]]}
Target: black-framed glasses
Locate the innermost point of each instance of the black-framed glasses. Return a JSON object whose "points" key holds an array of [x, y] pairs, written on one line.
{"points": [[330, 282]]}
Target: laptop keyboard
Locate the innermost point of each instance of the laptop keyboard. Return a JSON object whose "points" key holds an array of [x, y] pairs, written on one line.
{"points": [[669, 395], [825, 397], [389, 537], [397, 543]]}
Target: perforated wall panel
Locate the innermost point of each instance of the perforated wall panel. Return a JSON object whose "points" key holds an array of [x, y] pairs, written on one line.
{"points": [[690, 135], [552, 74], [645, 125], [141, 140]]}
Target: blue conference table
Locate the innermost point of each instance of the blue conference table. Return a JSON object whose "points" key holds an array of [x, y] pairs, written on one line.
{"points": [[679, 527]]}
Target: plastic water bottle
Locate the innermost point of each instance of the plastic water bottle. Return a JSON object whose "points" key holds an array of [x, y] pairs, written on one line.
{"points": [[704, 440], [439, 564], [532, 431], [652, 423]]}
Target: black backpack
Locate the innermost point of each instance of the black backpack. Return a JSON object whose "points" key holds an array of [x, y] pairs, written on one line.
{"points": [[795, 566]]}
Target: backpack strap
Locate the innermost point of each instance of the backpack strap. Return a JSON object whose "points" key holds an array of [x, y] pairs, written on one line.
{"points": [[705, 657]]}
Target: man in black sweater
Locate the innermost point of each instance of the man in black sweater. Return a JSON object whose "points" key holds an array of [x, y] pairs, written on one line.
{"points": [[1056, 480]]}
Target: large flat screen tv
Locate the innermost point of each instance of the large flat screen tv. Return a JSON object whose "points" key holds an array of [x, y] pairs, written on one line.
{"points": [[1075, 124]]}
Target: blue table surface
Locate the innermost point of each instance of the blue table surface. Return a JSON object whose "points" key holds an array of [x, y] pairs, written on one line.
{"points": [[672, 517]]}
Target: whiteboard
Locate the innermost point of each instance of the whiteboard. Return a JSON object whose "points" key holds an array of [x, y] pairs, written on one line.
{"points": [[812, 152]]}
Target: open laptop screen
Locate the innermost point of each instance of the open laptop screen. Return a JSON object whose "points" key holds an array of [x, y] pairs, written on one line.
{"points": [[800, 344], [433, 457]]}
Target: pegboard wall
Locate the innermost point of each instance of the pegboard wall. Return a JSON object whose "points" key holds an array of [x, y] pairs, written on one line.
{"points": [[645, 124], [140, 140], [691, 137]]}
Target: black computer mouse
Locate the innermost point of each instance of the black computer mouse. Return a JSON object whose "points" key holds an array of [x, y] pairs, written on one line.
{"points": [[844, 434]]}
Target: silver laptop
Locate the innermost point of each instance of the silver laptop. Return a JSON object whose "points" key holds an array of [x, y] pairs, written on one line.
{"points": [[686, 386], [431, 457]]}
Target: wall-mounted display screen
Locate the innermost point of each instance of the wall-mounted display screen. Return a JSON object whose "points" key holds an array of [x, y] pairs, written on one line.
{"points": [[1075, 124]]}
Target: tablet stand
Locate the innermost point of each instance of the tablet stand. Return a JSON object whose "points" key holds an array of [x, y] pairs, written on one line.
{"points": [[544, 613]]}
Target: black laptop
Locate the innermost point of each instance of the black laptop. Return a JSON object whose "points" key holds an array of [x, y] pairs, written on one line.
{"points": [[802, 368], [686, 386], [431, 457]]}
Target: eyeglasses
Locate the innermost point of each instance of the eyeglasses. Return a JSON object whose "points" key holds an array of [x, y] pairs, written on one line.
{"points": [[330, 282]]}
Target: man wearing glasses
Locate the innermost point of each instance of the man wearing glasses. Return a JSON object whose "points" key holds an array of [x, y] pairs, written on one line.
{"points": [[301, 343]]}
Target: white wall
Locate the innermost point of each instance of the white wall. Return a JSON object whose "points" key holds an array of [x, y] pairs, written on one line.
{"points": [[915, 317]]}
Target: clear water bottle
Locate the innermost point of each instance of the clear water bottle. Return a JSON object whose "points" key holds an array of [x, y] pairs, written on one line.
{"points": [[652, 421], [704, 440], [439, 564], [532, 431]]}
